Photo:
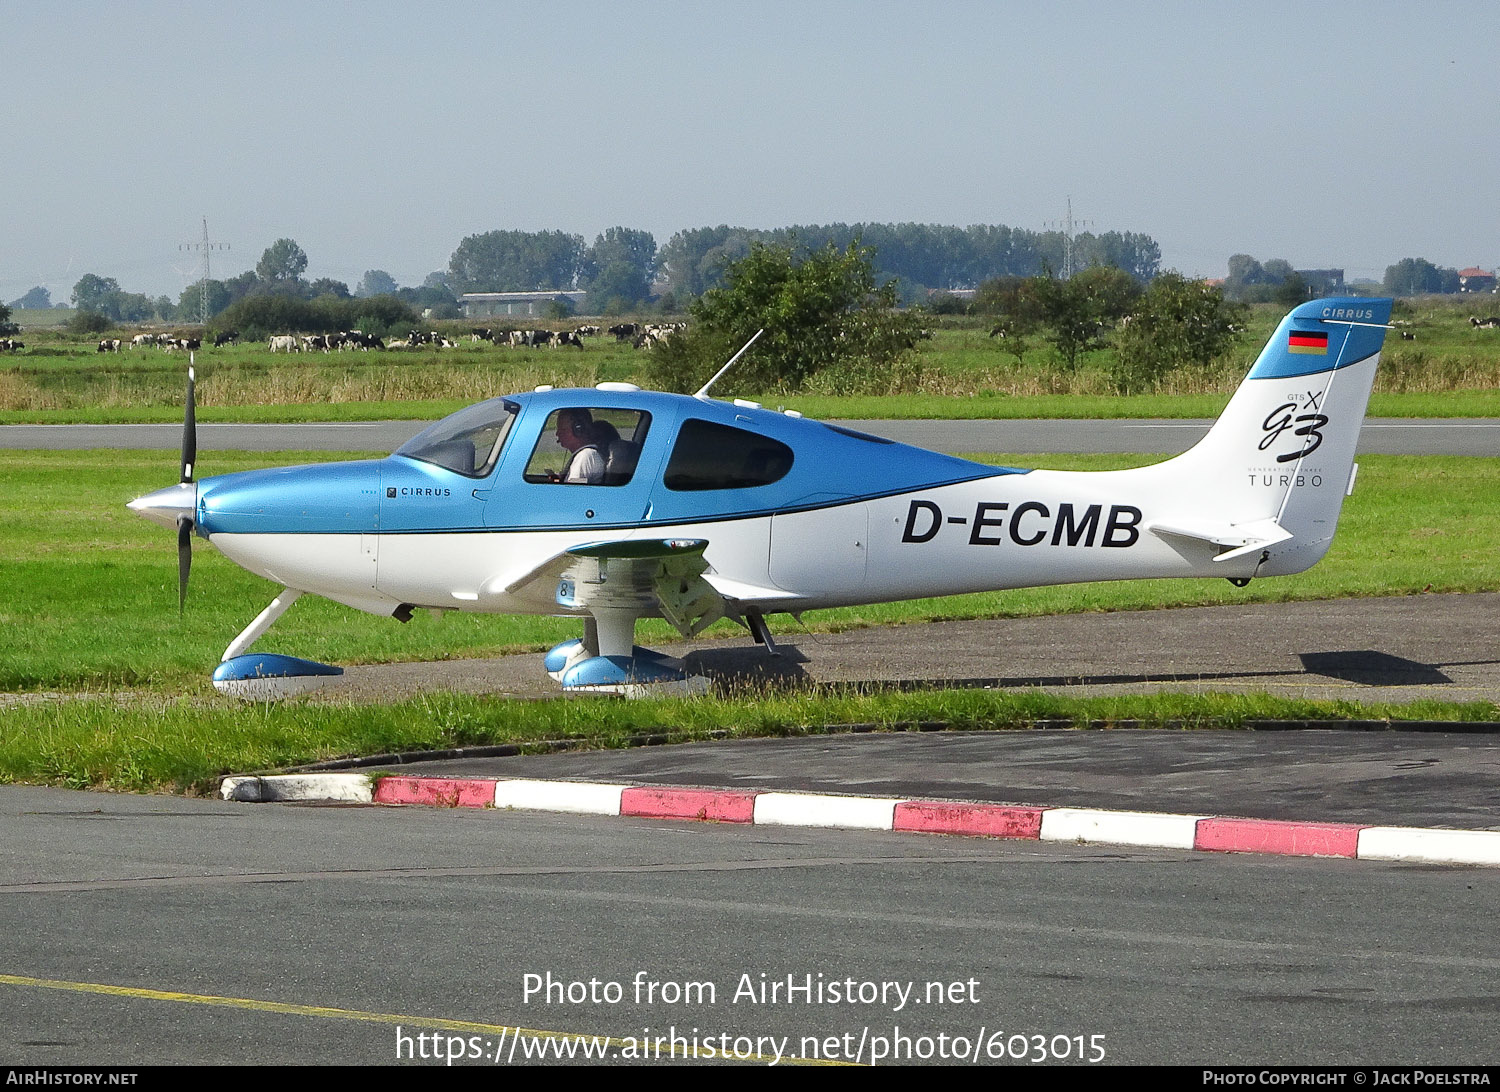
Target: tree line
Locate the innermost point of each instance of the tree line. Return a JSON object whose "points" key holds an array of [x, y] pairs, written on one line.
{"points": [[1275, 281], [623, 269], [918, 257], [278, 275]]}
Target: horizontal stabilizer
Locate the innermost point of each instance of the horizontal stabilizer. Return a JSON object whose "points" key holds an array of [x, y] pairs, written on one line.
{"points": [[1234, 539]]}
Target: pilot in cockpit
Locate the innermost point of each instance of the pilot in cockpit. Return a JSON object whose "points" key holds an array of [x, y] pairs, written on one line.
{"points": [[577, 433]]}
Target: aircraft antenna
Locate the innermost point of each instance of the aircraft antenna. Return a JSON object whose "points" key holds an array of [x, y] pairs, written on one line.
{"points": [[703, 390]]}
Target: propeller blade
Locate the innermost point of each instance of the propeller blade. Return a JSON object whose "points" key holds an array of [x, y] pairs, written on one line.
{"points": [[184, 559], [189, 434]]}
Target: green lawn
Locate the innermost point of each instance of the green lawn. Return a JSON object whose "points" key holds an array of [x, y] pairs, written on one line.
{"points": [[93, 597], [91, 612]]}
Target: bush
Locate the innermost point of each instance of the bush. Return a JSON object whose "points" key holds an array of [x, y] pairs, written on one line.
{"points": [[262, 316], [819, 309], [88, 322], [1178, 323]]}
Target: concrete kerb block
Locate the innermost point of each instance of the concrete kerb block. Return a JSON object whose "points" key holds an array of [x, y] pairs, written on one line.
{"points": [[798, 809], [1459, 847], [325, 788], [1120, 828], [579, 797]]}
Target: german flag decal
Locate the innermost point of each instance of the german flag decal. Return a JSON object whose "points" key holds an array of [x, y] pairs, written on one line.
{"points": [[1299, 342]]}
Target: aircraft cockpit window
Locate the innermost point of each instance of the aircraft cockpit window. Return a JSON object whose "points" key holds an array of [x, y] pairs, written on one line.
{"points": [[468, 441], [712, 456], [583, 445]]}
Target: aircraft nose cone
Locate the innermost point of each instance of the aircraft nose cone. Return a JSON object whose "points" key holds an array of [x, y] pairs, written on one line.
{"points": [[165, 506]]}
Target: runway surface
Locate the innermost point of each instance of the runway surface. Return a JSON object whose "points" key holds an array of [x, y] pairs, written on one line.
{"points": [[1380, 436]]}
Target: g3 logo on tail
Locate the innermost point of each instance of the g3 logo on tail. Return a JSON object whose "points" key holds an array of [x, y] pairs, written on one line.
{"points": [[1280, 419]]}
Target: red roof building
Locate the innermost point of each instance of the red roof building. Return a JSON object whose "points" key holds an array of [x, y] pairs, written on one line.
{"points": [[1474, 279]]}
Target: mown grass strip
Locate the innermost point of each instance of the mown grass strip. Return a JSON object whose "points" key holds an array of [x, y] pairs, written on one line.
{"points": [[92, 589], [104, 742]]}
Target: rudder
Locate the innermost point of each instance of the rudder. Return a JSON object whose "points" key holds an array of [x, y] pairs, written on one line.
{"points": [[1279, 459]]}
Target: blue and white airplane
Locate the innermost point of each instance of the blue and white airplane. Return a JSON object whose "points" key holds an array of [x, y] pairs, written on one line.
{"points": [[613, 503]]}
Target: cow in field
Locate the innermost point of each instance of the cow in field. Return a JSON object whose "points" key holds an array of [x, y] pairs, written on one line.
{"points": [[109, 345], [284, 343]]}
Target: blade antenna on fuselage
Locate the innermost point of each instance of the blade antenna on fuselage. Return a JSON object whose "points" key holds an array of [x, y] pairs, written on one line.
{"points": [[703, 390]]}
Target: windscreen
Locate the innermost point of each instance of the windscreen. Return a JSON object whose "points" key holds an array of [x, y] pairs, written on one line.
{"points": [[468, 441]]}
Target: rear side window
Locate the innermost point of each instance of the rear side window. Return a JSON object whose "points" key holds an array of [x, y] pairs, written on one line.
{"points": [[712, 456]]}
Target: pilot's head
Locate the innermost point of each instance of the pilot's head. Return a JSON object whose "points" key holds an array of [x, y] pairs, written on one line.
{"points": [[574, 427]]}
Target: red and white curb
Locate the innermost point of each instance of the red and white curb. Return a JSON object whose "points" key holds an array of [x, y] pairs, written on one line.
{"points": [[1084, 826]]}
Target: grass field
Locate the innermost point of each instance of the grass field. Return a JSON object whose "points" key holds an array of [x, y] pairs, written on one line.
{"points": [[1450, 370], [91, 620], [93, 593]]}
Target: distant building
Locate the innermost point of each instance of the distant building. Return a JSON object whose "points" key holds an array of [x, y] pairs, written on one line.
{"points": [[1323, 282], [1475, 280], [494, 304]]}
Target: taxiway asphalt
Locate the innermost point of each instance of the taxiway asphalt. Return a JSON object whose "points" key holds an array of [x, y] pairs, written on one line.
{"points": [[1379, 436], [165, 930], [1397, 649]]}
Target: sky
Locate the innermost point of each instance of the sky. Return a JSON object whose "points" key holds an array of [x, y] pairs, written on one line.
{"points": [[378, 135]]}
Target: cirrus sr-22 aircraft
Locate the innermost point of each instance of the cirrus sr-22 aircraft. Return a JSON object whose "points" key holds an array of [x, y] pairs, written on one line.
{"points": [[614, 503]]}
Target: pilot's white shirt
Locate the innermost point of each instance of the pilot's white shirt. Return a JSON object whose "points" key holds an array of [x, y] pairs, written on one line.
{"points": [[586, 467]]}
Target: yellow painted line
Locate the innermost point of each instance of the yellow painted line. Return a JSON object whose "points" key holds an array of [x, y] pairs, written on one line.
{"points": [[325, 1012]]}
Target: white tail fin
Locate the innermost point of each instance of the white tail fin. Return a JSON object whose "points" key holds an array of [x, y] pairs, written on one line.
{"points": [[1271, 475]]}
